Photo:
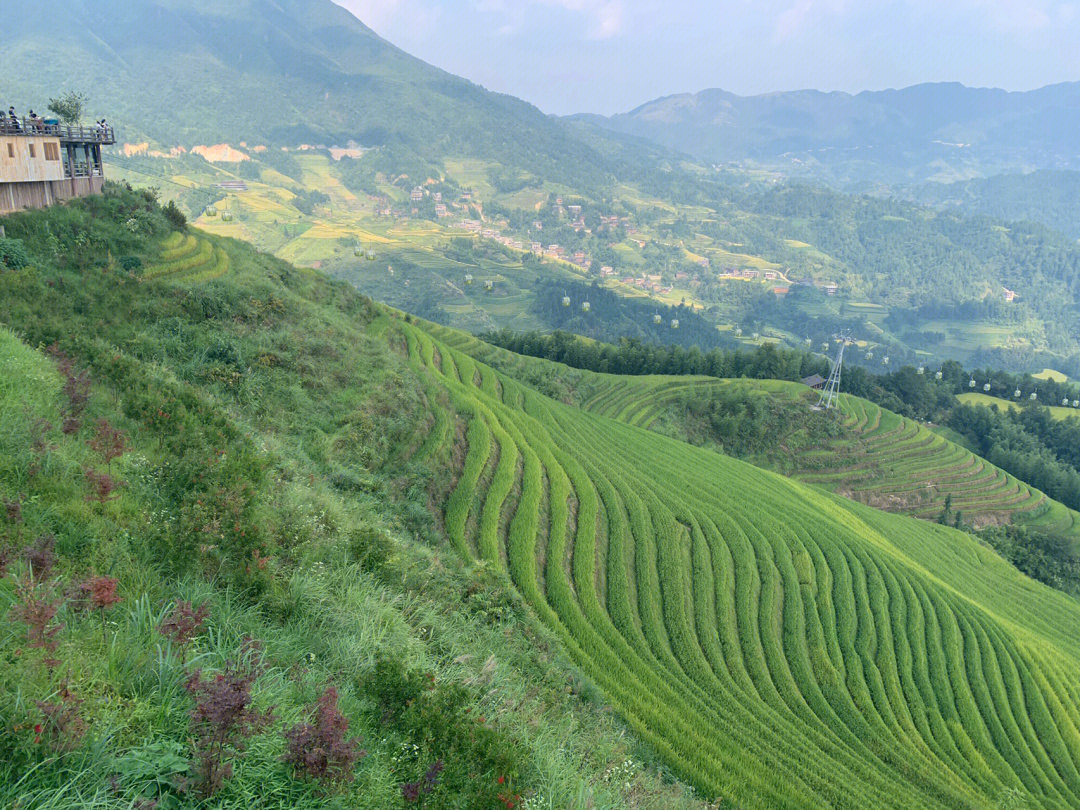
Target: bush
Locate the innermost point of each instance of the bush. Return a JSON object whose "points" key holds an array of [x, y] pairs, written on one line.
{"points": [[174, 216], [13, 255]]}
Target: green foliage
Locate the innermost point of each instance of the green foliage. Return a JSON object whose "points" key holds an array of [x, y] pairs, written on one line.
{"points": [[174, 215], [1049, 559], [69, 108], [13, 255]]}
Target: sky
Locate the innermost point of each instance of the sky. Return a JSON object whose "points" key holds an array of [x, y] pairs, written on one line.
{"points": [[609, 56]]}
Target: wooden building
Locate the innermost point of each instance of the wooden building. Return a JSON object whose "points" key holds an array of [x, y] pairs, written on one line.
{"points": [[42, 163]]}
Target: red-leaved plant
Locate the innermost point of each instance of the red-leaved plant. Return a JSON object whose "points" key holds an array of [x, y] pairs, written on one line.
{"points": [[64, 726], [414, 792], [109, 442], [319, 750], [36, 608], [100, 594], [223, 718], [102, 486], [41, 557], [183, 625]]}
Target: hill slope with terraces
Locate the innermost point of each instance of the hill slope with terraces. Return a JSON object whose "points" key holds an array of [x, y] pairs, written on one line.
{"points": [[878, 458], [534, 595], [868, 453], [781, 646]]}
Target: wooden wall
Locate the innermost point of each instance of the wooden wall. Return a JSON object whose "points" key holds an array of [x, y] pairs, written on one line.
{"points": [[16, 196], [16, 164]]}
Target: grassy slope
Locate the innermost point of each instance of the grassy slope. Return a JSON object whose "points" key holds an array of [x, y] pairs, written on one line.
{"points": [[783, 647], [286, 387]]}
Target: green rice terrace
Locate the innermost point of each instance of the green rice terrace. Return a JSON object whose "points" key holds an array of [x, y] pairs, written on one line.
{"points": [[877, 458], [517, 600], [781, 646]]}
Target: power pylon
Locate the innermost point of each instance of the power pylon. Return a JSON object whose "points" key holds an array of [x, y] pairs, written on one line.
{"points": [[831, 390]]}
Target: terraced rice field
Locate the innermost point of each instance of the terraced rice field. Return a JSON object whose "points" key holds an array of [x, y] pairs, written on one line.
{"points": [[902, 466], [189, 258], [777, 645], [883, 460]]}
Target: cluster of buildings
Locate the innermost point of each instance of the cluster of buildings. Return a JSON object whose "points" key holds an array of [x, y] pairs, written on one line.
{"points": [[652, 283], [749, 274], [476, 227]]}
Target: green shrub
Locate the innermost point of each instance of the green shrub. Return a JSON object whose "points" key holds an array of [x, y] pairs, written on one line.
{"points": [[13, 254]]}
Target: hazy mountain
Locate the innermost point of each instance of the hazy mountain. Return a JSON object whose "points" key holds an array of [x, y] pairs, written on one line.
{"points": [[1046, 196], [928, 131], [285, 72]]}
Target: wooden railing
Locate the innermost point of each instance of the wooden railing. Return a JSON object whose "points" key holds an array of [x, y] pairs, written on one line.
{"points": [[82, 170], [105, 136]]}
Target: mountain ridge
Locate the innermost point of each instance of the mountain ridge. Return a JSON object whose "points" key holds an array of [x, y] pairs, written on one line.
{"points": [[914, 129]]}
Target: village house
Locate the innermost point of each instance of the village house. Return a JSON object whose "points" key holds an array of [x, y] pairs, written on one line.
{"points": [[770, 275], [536, 248], [1010, 295], [417, 194], [440, 210], [438, 196], [575, 210], [607, 270]]}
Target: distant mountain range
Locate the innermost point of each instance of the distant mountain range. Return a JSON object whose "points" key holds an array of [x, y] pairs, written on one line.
{"points": [[938, 132]]}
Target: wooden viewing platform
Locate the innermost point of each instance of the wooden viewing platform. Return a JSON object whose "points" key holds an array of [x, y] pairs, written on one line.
{"points": [[104, 136], [43, 161]]}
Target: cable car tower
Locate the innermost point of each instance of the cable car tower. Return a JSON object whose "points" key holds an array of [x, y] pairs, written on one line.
{"points": [[831, 390]]}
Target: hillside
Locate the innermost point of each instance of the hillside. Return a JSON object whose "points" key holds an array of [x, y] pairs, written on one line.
{"points": [[875, 457], [896, 137], [246, 79], [862, 451], [265, 73], [1046, 196], [219, 445], [718, 604], [447, 542]]}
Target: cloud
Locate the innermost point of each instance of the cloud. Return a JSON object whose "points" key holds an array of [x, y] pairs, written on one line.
{"points": [[793, 19], [606, 15], [384, 16], [604, 19]]}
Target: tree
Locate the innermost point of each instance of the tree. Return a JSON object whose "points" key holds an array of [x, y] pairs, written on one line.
{"points": [[69, 107]]}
